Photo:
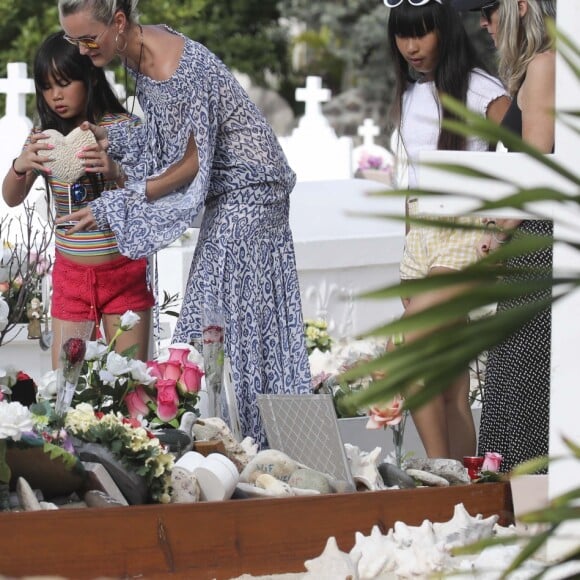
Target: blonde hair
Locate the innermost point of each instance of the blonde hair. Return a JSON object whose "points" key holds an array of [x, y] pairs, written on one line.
{"points": [[101, 10], [519, 39]]}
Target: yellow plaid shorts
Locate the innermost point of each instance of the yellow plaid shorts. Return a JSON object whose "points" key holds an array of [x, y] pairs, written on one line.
{"points": [[431, 247]]}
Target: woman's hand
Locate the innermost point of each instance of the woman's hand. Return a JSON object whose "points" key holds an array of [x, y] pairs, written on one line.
{"points": [[100, 133], [83, 220]]}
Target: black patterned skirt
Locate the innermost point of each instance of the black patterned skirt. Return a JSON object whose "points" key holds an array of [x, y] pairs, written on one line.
{"points": [[516, 397]]}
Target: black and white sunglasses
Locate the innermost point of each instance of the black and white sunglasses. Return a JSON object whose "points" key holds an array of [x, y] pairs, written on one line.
{"points": [[395, 3]]}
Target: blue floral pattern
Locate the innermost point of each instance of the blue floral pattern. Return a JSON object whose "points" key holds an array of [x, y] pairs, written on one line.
{"points": [[244, 260]]}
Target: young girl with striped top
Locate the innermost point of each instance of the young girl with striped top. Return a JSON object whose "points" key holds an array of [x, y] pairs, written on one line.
{"points": [[91, 279]]}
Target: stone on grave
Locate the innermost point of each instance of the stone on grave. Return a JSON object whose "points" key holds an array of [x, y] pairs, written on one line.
{"points": [[98, 478], [305, 478], [427, 478], [99, 499], [26, 496], [450, 469], [132, 486], [393, 476]]}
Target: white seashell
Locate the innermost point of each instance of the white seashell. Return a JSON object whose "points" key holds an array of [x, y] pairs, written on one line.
{"points": [[363, 466], [463, 528], [375, 553], [331, 564]]}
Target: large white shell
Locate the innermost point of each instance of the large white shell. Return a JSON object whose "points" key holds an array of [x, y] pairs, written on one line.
{"points": [[375, 553], [363, 466], [463, 528], [331, 564]]}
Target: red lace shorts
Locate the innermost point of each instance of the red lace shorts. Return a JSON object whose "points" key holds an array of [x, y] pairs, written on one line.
{"points": [[87, 291]]}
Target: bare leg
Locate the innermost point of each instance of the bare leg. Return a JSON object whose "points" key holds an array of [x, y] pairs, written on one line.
{"points": [[460, 427], [138, 335], [445, 424]]}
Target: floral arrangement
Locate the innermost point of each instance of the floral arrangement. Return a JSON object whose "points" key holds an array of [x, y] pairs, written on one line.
{"points": [[131, 443], [317, 337], [377, 162], [159, 392], [24, 263], [326, 368]]}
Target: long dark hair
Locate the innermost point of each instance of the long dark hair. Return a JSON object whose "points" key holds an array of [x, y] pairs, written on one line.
{"points": [[457, 56], [62, 60]]}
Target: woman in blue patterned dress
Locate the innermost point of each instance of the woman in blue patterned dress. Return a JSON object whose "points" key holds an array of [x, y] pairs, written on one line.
{"points": [[203, 146]]}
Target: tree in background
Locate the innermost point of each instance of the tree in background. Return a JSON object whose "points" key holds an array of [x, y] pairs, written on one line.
{"points": [[245, 34]]}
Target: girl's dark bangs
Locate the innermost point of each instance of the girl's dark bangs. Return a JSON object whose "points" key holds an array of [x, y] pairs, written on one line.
{"points": [[412, 21]]}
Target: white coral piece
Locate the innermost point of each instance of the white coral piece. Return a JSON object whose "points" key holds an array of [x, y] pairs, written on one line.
{"points": [[332, 563], [375, 553], [65, 164], [463, 528], [363, 466]]}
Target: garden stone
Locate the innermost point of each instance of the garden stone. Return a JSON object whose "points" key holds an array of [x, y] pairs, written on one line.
{"points": [[177, 441], [99, 499], [305, 478], [132, 486], [428, 478], [394, 476], [450, 469], [26, 496]]}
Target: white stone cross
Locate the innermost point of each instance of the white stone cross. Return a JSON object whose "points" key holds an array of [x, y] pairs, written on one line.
{"points": [[368, 131], [313, 95], [564, 395], [15, 87]]}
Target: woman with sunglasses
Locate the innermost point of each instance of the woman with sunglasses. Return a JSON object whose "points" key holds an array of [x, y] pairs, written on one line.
{"points": [[516, 395], [91, 280], [433, 55], [204, 146]]}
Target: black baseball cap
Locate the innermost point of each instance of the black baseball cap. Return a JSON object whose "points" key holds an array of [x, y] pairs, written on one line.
{"points": [[465, 5]]}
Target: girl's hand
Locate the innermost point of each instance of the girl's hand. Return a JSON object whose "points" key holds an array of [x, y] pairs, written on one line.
{"points": [[83, 220], [96, 160], [34, 156]]}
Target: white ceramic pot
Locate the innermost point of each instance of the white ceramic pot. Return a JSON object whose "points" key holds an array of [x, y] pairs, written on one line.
{"points": [[217, 477]]}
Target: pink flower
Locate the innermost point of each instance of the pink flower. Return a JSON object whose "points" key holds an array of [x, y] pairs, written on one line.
{"points": [[167, 399], [155, 369], [171, 370], [4, 287], [136, 402], [190, 379], [386, 415], [178, 354], [491, 461]]}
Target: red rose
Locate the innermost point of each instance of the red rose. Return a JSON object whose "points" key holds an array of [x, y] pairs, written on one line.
{"points": [[21, 376], [74, 350]]}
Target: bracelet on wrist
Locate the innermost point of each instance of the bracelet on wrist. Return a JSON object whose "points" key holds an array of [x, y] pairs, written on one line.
{"points": [[19, 174]]}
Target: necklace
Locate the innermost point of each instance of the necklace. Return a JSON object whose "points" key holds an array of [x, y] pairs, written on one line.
{"points": [[137, 74]]}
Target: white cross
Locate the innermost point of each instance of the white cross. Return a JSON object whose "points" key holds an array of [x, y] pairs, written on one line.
{"points": [[15, 87], [313, 95], [564, 395], [368, 131]]}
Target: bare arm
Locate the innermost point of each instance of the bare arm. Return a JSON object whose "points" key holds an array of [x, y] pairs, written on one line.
{"points": [[21, 176], [536, 100], [178, 175], [497, 109]]}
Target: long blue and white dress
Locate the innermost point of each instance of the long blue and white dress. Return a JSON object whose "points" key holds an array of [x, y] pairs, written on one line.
{"points": [[244, 262]]}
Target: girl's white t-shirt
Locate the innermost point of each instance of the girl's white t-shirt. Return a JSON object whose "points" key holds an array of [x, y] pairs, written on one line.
{"points": [[421, 116]]}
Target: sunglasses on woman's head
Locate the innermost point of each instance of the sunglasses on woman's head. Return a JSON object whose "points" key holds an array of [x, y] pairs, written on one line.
{"points": [[489, 9], [395, 3]]}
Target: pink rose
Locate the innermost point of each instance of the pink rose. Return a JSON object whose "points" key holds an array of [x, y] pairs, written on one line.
{"points": [[155, 369], [136, 402], [171, 370], [190, 379], [387, 415], [167, 399], [491, 461], [178, 354], [4, 287]]}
